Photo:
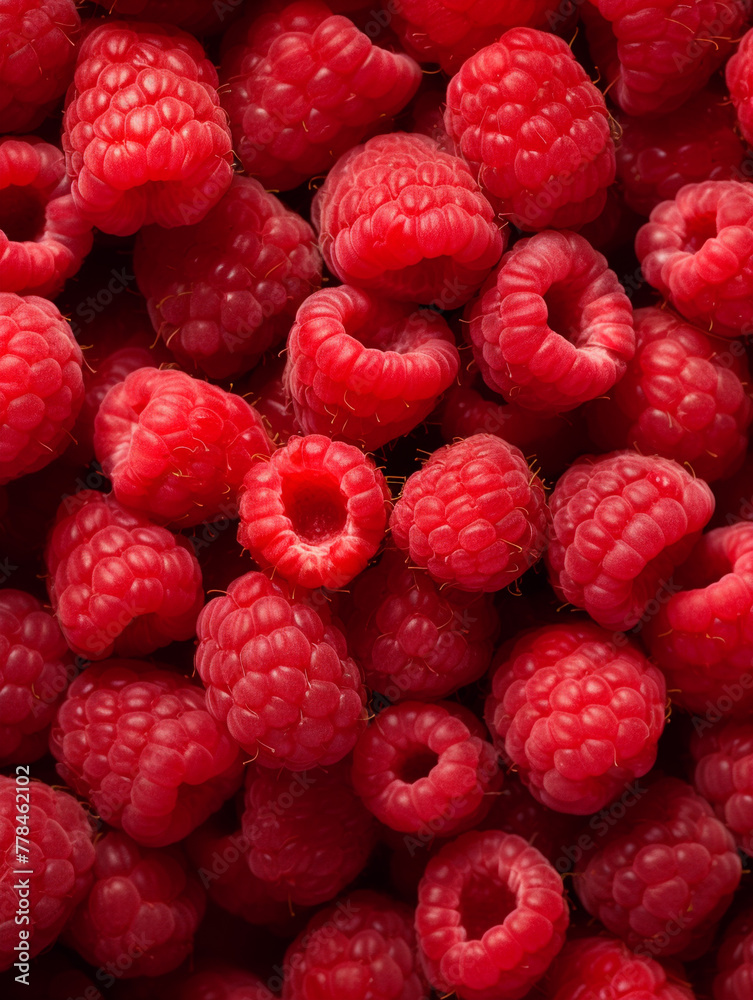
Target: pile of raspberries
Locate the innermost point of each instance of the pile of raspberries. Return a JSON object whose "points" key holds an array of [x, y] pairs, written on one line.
{"points": [[376, 499]]}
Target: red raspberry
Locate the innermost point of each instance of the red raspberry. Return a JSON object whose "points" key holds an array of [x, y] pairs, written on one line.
{"points": [[737, 73], [302, 86], [144, 136], [119, 584], [663, 877], [316, 511], [38, 44], [35, 668], [734, 962], [702, 636], [552, 327], [681, 397], [175, 447], [491, 917], [144, 904], [362, 948], [474, 516], [534, 129], [264, 388], [309, 834], [41, 385], [403, 218], [723, 774], [621, 524], [575, 715], [697, 251], [277, 672], [138, 742], [59, 854], [413, 638], [223, 292], [222, 983], [393, 359]]}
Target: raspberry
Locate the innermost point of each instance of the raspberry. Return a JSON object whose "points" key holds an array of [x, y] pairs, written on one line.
{"points": [[737, 74], [38, 44], [309, 835], [279, 676], [175, 447], [697, 251], [491, 917], [393, 359], [264, 388], [681, 398], [119, 584], [663, 877], [473, 516], [413, 638], [41, 385], [363, 948], [426, 767], [552, 327], [144, 904], [577, 717], [35, 667], [723, 774], [402, 218], [316, 511], [302, 86], [223, 292], [222, 983], [59, 853], [621, 524], [702, 636], [144, 136], [734, 963], [534, 130], [138, 742]]}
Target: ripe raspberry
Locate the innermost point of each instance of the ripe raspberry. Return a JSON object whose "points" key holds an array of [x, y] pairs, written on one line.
{"points": [[278, 674], [577, 716], [402, 218], [60, 857], [175, 447], [734, 962], [118, 583], [723, 774], [413, 638], [681, 397], [697, 251], [393, 359], [534, 130], [737, 74], [702, 636], [316, 511], [474, 516], [302, 86], [621, 524], [663, 877], [223, 292], [552, 327], [491, 917], [144, 136], [144, 904], [35, 667], [41, 385], [264, 388], [362, 948], [38, 44]]}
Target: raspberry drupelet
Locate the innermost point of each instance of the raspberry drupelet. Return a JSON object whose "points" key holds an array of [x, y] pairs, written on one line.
{"points": [[177, 448], [723, 774], [302, 86], [491, 917], [734, 960], [552, 326], [534, 129], [316, 511], [400, 217], [737, 73], [223, 292], [682, 397], [663, 876], [474, 515], [621, 524], [119, 584], [278, 674], [365, 369], [145, 138]]}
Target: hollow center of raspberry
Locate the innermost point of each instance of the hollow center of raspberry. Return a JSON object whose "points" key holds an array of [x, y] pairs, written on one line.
{"points": [[21, 214], [564, 316], [483, 905], [698, 231], [316, 509], [417, 765]]}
